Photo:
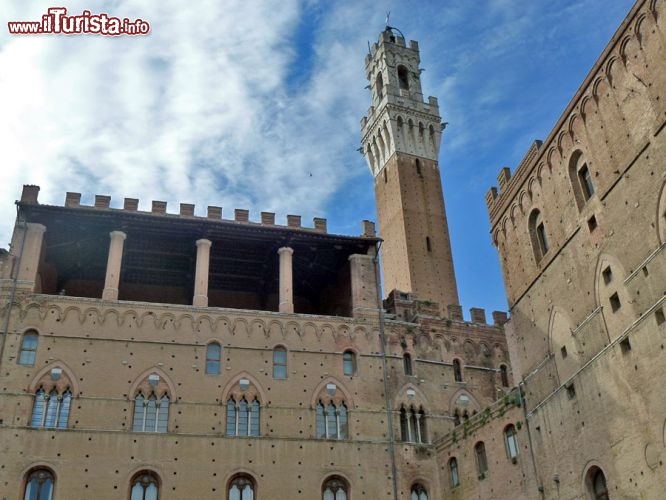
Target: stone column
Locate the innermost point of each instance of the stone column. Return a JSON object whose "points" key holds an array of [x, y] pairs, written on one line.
{"points": [[201, 275], [113, 265], [363, 285], [31, 254], [286, 280]]}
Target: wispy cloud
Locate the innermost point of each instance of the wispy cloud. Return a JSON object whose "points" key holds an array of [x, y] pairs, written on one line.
{"points": [[257, 104]]}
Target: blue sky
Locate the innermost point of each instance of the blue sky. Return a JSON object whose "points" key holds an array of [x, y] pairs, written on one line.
{"points": [[256, 104]]}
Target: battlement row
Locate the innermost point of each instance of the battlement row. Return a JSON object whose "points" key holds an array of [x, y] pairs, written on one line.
{"points": [[103, 202], [408, 307]]}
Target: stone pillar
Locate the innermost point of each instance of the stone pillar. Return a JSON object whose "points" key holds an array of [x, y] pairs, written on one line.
{"points": [[113, 265], [286, 280], [201, 275], [363, 286], [31, 253]]}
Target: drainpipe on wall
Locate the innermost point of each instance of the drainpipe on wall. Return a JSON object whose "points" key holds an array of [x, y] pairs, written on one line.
{"points": [[15, 271], [387, 398]]}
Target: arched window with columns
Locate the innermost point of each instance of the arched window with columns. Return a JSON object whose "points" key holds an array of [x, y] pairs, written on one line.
{"points": [[39, 484], [241, 487], [335, 488], [145, 486], [418, 492], [413, 425], [152, 401]]}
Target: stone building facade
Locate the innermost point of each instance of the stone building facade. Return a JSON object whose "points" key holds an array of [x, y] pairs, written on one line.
{"points": [[151, 355], [580, 230]]}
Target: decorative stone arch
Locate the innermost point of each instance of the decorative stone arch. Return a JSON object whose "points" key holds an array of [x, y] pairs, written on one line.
{"points": [[417, 479], [598, 81], [468, 402], [275, 329], [584, 105], [614, 321], [234, 389], [337, 474], [524, 200], [402, 398], [551, 158], [512, 213], [34, 467], [559, 337], [341, 395], [240, 327], [590, 469], [165, 385], [470, 349], [531, 185], [622, 50], [661, 215], [44, 379], [638, 27], [143, 469]]}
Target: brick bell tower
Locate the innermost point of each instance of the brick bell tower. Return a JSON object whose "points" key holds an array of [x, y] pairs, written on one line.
{"points": [[401, 137]]}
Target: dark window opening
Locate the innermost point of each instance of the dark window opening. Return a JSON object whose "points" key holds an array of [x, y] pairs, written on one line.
{"points": [[563, 351], [380, 86], [407, 363], [504, 376], [457, 370], [481, 460], [428, 245], [586, 182], [592, 223], [607, 274], [625, 345], [403, 78], [659, 316], [571, 391], [418, 167], [385, 176], [614, 302]]}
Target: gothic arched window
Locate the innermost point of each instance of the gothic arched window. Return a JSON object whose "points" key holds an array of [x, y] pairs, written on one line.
{"points": [[596, 484], [145, 486], [418, 492], [151, 414], [39, 485], [241, 488], [413, 425], [51, 410], [335, 488], [332, 421], [243, 418], [380, 86]]}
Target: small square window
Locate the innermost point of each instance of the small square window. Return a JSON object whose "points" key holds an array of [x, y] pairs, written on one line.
{"points": [[563, 350], [571, 391], [659, 316], [607, 275], [592, 223], [615, 302], [625, 345]]}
